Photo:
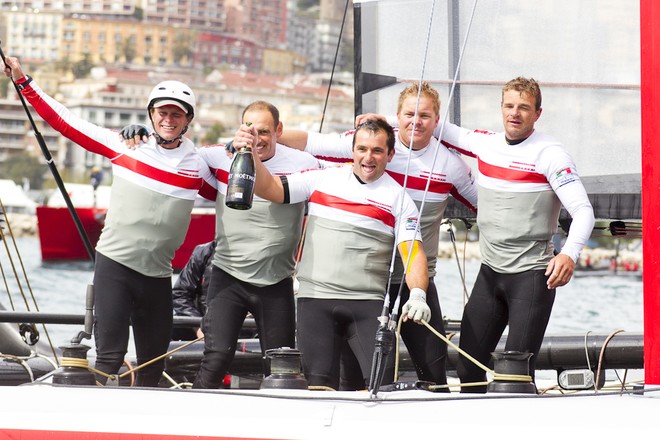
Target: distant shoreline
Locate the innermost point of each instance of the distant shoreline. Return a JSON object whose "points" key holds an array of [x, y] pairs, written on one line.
{"points": [[25, 225]]}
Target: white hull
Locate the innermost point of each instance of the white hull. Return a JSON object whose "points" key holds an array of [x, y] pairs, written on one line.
{"points": [[75, 412]]}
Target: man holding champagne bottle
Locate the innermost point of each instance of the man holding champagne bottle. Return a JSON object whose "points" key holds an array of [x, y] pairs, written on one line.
{"points": [[254, 261]]}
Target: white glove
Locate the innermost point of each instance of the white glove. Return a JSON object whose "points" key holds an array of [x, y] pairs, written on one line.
{"points": [[416, 308]]}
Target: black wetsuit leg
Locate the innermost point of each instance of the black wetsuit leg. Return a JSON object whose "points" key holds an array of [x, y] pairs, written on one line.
{"points": [[152, 328], [228, 302], [123, 296], [323, 327], [274, 311], [522, 300], [427, 351], [530, 305], [350, 373], [484, 318]]}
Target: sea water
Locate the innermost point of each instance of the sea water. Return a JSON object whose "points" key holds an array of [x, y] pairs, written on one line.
{"points": [[587, 304]]}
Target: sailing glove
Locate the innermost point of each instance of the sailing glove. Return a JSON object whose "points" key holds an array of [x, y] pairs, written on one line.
{"points": [[133, 130], [416, 308]]}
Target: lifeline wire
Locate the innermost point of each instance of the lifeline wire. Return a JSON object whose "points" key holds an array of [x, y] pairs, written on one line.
{"points": [[435, 157], [405, 180]]}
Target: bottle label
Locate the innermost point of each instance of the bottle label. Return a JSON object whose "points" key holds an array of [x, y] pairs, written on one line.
{"points": [[242, 176]]}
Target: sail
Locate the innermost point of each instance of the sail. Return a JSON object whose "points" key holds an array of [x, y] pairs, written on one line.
{"points": [[585, 55]]}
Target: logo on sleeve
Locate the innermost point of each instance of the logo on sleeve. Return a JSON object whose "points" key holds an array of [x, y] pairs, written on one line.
{"points": [[565, 176], [411, 223]]}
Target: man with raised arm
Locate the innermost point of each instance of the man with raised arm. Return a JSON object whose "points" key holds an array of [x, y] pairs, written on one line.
{"points": [[449, 176], [153, 192], [357, 215], [524, 179]]}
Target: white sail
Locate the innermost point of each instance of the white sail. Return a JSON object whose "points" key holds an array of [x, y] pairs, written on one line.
{"points": [[585, 55]]}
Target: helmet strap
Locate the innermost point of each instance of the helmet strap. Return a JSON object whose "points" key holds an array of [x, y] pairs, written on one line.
{"points": [[161, 141]]}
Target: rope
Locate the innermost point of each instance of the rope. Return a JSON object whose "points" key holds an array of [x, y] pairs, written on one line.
{"points": [[156, 359], [496, 376], [600, 357], [18, 279], [320, 388], [22, 362], [334, 64]]}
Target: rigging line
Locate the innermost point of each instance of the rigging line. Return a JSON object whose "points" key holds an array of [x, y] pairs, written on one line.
{"points": [[10, 258], [2, 269], [334, 64], [405, 182], [18, 282], [451, 94]]}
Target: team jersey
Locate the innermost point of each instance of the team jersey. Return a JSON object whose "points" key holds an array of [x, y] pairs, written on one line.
{"points": [[521, 190], [153, 188], [352, 230], [258, 245], [449, 175]]}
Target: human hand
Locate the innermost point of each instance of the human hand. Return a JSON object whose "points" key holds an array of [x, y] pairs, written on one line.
{"points": [[359, 119], [245, 135], [416, 308], [134, 134], [13, 68], [560, 269]]}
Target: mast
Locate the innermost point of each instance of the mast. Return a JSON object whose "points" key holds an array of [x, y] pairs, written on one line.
{"points": [[650, 100]]}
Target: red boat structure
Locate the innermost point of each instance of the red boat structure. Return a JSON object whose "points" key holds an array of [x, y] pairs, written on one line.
{"points": [[60, 241]]}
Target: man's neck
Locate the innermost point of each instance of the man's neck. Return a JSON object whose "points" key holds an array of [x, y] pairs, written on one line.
{"points": [[415, 146]]}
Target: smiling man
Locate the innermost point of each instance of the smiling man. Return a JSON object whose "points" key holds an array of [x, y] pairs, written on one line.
{"points": [[254, 259], [356, 216], [153, 192], [524, 179], [450, 176]]}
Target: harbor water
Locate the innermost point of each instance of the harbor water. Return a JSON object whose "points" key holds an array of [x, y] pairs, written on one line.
{"points": [[596, 304]]}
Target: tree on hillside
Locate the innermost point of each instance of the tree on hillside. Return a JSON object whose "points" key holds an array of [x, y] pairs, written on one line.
{"points": [[4, 87], [128, 49], [82, 68], [182, 48], [212, 136], [306, 4], [23, 165]]}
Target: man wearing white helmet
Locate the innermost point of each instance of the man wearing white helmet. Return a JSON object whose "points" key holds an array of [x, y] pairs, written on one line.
{"points": [[152, 196]]}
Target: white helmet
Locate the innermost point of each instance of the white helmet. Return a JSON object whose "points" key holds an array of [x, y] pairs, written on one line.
{"points": [[172, 93]]}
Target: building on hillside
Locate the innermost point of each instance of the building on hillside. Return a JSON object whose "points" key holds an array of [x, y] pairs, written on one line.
{"points": [[227, 51], [300, 33], [104, 41], [35, 36], [200, 15], [266, 22], [16, 134], [106, 7], [283, 62]]}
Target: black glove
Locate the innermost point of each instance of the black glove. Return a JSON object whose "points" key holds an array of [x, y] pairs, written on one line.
{"points": [[229, 146], [132, 130]]}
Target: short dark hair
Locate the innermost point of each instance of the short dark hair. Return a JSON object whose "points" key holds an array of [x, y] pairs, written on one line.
{"points": [[377, 126], [263, 105]]}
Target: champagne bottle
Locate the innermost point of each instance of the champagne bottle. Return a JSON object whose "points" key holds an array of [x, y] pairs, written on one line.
{"points": [[240, 184]]}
